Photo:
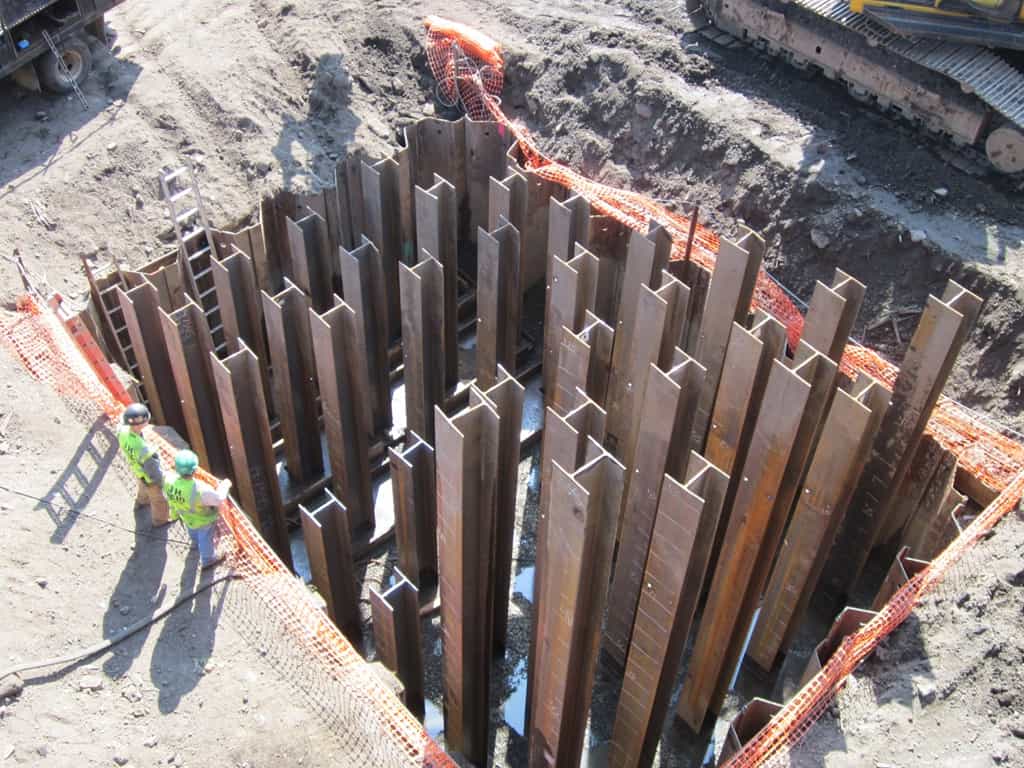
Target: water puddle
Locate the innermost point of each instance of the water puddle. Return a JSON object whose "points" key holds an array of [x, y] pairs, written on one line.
{"points": [[523, 584], [515, 705]]}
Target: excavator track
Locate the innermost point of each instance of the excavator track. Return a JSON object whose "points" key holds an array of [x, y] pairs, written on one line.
{"points": [[969, 94]]}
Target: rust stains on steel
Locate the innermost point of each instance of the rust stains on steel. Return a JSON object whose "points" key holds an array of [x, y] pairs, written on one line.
{"points": [[396, 635], [498, 302], [244, 409], [295, 387], [343, 388], [329, 544], [423, 306], [412, 482], [437, 231]]}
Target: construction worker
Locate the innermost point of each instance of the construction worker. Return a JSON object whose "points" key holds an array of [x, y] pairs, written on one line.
{"points": [[144, 461], [196, 504]]}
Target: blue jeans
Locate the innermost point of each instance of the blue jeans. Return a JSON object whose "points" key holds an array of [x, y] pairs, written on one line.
{"points": [[203, 538]]}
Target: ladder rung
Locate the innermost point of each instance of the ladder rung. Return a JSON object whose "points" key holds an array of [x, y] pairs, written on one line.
{"points": [[186, 215], [216, 329], [204, 251], [207, 292], [202, 274], [191, 234], [180, 194], [175, 174], [126, 348], [120, 328], [219, 347]]}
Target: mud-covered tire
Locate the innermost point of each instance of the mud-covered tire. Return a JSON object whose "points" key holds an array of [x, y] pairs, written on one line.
{"points": [[78, 59]]}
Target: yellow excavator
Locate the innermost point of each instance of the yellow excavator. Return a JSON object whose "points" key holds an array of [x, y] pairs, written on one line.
{"points": [[954, 66]]}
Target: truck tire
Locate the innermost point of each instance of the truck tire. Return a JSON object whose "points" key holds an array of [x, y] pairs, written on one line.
{"points": [[77, 58]]}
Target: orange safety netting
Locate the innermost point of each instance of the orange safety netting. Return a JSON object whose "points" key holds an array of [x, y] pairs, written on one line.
{"points": [[370, 720], [982, 450]]}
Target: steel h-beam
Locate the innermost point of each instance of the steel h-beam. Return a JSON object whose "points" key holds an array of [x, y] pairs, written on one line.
{"points": [[244, 408], [762, 474], [140, 308], [343, 390], [506, 398], [326, 533], [498, 301], [312, 261], [412, 484], [383, 227], [941, 332], [684, 531], [189, 345], [291, 353], [584, 362], [437, 233], [578, 560], [467, 475], [362, 275], [422, 326], [662, 446], [571, 291], [396, 635]]}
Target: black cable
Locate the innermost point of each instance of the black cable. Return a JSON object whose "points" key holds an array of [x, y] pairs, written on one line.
{"points": [[81, 513], [125, 633]]}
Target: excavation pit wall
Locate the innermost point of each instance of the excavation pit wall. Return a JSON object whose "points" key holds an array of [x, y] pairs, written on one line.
{"points": [[506, 691]]}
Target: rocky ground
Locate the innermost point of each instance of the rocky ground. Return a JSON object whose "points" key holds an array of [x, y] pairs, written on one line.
{"points": [[258, 94]]}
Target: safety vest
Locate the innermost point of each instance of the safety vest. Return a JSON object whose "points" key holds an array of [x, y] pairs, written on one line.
{"points": [[183, 499], [136, 450]]}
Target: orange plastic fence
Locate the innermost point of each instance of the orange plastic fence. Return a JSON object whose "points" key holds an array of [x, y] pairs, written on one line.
{"points": [[981, 449], [375, 724]]}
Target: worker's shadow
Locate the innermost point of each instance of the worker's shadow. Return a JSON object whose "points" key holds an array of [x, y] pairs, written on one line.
{"points": [[80, 479], [304, 144], [187, 637], [139, 593]]}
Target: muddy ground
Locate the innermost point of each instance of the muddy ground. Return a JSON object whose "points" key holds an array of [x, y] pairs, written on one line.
{"points": [[262, 94]]}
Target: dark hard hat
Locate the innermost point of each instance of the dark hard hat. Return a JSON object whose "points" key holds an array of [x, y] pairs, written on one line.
{"points": [[136, 413]]}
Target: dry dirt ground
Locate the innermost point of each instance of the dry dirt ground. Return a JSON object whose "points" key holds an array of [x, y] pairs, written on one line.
{"points": [[259, 94]]}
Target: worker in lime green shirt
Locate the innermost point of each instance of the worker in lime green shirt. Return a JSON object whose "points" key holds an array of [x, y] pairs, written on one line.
{"points": [[196, 504], [144, 461]]}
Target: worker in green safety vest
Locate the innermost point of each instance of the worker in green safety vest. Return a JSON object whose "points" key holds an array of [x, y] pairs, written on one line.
{"points": [[144, 461], [196, 504]]}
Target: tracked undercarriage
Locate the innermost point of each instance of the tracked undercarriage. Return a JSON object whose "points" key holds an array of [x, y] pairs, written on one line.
{"points": [[971, 95]]}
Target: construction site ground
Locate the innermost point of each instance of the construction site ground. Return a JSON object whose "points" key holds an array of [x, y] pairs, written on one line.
{"points": [[262, 94]]}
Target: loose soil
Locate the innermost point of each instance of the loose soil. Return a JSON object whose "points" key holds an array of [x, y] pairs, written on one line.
{"points": [[261, 94]]}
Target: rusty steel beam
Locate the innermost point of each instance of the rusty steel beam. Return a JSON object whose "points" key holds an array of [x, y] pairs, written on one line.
{"points": [[498, 302], [677, 296], [506, 398], [754, 716], [903, 569], [349, 186], [727, 302], [673, 575], [819, 373], [940, 334], [439, 149], [507, 204], [698, 278], [572, 599], [467, 472], [244, 410], [848, 621], [346, 424], [584, 362], [534, 231], [437, 232], [627, 381], [486, 155], [140, 308], [274, 209], [762, 473], [295, 387], [362, 275], [396, 635], [329, 545], [423, 357], [666, 411], [571, 291], [922, 468], [831, 315], [383, 227], [564, 442], [831, 478], [312, 260], [241, 311], [189, 345], [415, 499], [931, 527]]}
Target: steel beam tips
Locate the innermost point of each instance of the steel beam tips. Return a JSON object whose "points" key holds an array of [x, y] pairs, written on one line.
{"points": [[326, 532]]}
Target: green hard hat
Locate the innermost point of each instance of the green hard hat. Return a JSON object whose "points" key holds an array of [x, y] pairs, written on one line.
{"points": [[185, 462]]}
